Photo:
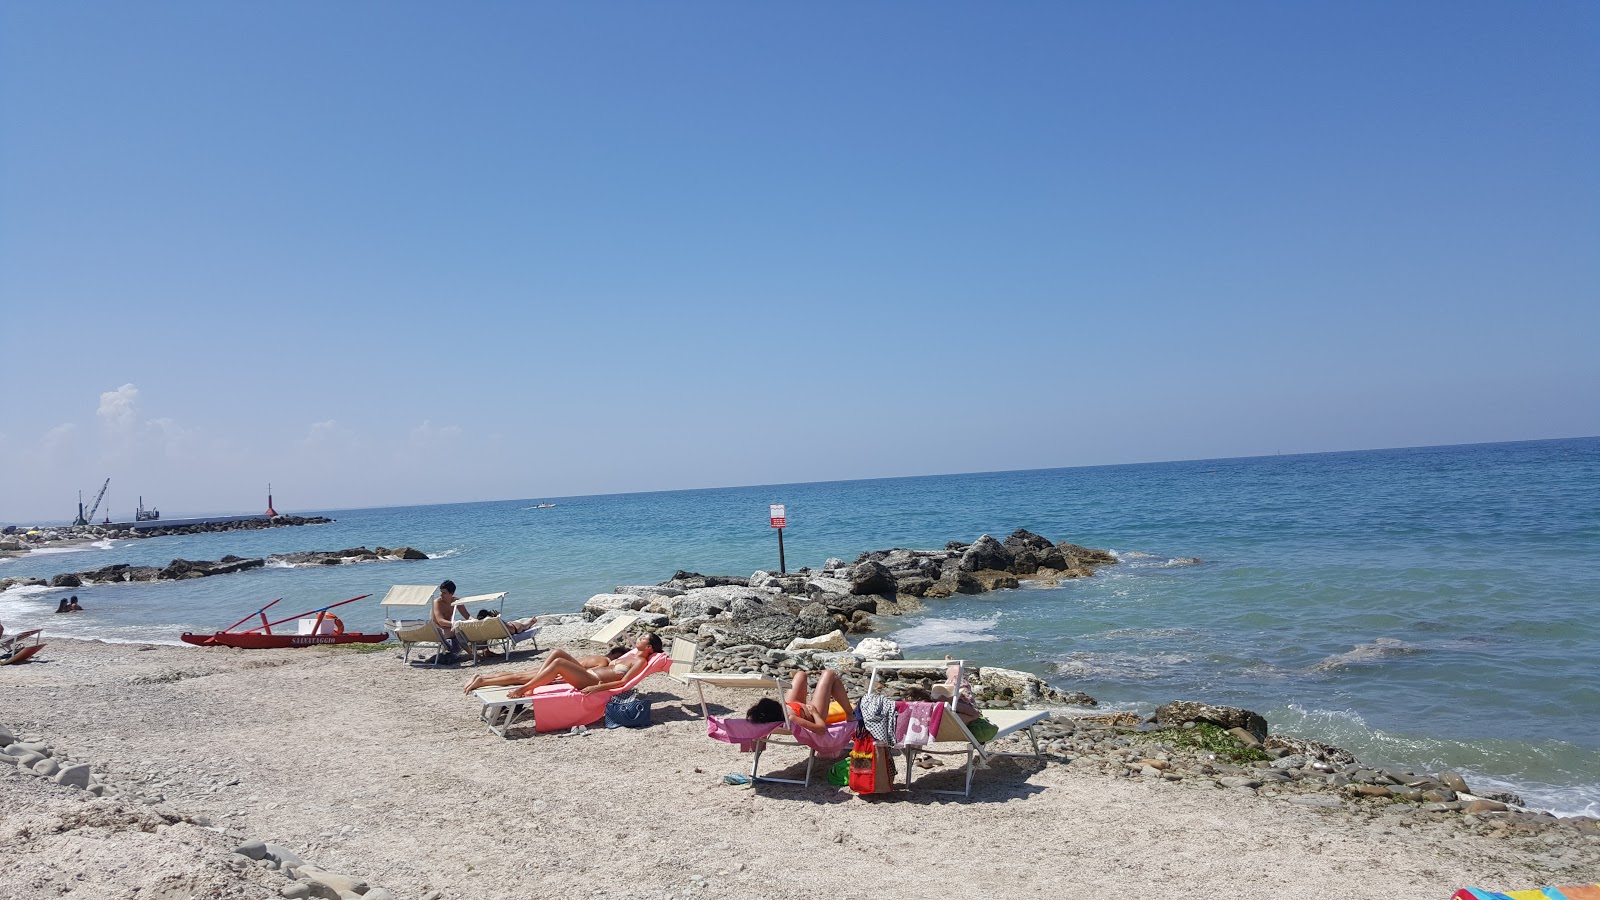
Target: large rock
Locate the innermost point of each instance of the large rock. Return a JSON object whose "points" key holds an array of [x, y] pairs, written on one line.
{"points": [[986, 553], [1023, 539], [833, 641], [647, 590], [66, 581], [878, 648], [408, 553], [816, 587], [1086, 555], [815, 619], [983, 581], [1009, 684], [871, 577], [1178, 712], [76, 775], [603, 603]]}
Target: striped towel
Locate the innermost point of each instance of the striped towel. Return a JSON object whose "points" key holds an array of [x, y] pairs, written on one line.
{"points": [[1574, 892]]}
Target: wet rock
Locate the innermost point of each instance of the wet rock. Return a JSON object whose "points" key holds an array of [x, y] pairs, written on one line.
{"points": [[1178, 712], [1086, 556], [66, 581], [986, 553], [871, 577], [1454, 782], [984, 581]]}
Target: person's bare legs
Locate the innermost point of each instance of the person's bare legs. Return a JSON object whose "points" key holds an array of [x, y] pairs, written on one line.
{"points": [[829, 688], [504, 679], [512, 679], [575, 674], [797, 688]]}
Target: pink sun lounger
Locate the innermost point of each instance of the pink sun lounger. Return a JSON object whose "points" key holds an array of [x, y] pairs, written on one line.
{"points": [[558, 707]]}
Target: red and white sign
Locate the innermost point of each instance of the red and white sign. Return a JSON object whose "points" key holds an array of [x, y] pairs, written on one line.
{"points": [[778, 518]]}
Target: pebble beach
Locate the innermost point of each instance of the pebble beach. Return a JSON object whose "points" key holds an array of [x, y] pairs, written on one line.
{"points": [[359, 766]]}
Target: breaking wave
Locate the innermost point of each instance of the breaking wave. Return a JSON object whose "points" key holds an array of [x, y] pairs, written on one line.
{"points": [[942, 632]]}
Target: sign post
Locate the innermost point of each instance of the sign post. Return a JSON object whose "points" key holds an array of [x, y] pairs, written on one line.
{"points": [[779, 520]]}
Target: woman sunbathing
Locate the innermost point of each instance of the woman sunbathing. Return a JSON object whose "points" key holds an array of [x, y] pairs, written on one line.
{"points": [[586, 673], [827, 705]]}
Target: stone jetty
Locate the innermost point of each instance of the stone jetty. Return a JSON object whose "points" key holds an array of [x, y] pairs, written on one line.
{"points": [[20, 539], [182, 569]]}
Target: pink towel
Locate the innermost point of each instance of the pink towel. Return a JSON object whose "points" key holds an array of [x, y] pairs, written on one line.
{"points": [[916, 723], [743, 732], [829, 744]]}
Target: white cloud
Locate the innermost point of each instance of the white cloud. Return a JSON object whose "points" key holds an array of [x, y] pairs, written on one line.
{"points": [[55, 438], [426, 435], [117, 407]]}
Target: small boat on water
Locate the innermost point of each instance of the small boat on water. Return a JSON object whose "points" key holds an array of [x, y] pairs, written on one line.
{"points": [[21, 648], [315, 628], [544, 506]]}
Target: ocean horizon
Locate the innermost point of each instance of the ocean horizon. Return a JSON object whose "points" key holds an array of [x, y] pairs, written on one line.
{"points": [[1423, 607]]}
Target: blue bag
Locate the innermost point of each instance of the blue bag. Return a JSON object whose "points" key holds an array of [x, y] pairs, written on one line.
{"points": [[627, 712]]}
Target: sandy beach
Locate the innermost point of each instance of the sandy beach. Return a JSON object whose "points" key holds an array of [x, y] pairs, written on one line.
{"points": [[363, 766]]}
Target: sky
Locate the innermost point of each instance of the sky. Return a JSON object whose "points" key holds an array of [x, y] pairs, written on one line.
{"points": [[394, 253]]}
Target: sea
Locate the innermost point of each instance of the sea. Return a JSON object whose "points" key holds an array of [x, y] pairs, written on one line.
{"points": [[1428, 608]]}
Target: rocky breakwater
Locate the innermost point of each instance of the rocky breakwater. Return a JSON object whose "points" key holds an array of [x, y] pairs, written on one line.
{"points": [[1228, 748], [775, 623], [18, 539], [181, 569]]}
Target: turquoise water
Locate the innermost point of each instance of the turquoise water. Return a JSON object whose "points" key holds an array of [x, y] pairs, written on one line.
{"points": [[1429, 607]]}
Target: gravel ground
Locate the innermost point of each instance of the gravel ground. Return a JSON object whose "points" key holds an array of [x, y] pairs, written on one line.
{"points": [[364, 766]]}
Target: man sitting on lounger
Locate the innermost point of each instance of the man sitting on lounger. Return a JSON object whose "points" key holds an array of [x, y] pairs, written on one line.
{"points": [[827, 705], [586, 673]]}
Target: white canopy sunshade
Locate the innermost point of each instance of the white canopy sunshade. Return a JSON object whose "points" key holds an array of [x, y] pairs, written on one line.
{"points": [[408, 595]]}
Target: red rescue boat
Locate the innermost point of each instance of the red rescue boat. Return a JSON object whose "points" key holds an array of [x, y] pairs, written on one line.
{"points": [[324, 629]]}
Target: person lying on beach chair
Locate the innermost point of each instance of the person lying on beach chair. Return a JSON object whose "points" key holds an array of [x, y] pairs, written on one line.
{"points": [[512, 679], [827, 705], [515, 626], [586, 673]]}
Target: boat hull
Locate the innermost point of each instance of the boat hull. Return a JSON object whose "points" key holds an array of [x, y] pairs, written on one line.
{"points": [[248, 641]]}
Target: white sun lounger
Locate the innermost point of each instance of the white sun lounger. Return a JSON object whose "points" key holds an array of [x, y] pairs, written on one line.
{"points": [[952, 730], [407, 614], [490, 632]]}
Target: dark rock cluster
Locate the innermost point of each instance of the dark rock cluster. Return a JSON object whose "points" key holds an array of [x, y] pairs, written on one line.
{"points": [[181, 569]]}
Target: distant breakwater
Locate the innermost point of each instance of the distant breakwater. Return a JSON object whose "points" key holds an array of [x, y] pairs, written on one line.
{"points": [[20, 539], [183, 569]]}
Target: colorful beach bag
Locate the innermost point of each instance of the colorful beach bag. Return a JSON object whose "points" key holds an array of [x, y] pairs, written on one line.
{"points": [[864, 763]]}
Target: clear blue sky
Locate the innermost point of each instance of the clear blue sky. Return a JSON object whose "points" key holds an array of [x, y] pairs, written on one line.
{"points": [[384, 253]]}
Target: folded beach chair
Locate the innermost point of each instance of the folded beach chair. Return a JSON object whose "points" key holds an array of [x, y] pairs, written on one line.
{"points": [[954, 731], [1572, 892], [558, 707], [832, 744], [614, 629], [490, 633], [407, 615]]}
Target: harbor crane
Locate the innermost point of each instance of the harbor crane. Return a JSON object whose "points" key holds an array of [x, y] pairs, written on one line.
{"points": [[85, 520]]}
